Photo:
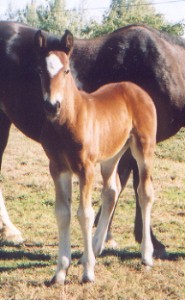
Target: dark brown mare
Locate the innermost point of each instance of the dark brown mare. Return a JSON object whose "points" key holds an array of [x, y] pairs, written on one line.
{"points": [[88, 128], [147, 57]]}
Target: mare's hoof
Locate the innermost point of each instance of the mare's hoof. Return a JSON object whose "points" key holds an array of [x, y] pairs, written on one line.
{"points": [[12, 239]]}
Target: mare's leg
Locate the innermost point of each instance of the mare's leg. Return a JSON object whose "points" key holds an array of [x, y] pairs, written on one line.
{"points": [[63, 191], [143, 153], [86, 219], [110, 193], [9, 232], [4, 133]]}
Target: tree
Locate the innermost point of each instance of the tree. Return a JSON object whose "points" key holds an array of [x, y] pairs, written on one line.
{"points": [[55, 18], [31, 14], [124, 12]]}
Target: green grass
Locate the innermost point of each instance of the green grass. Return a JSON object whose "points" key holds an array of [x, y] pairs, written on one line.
{"points": [[29, 193]]}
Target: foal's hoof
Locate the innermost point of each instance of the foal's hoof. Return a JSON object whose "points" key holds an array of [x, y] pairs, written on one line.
{"points": [[112, 244], [147, 268], [88, 279], [58, 278], [148, 263], [52, 281]]}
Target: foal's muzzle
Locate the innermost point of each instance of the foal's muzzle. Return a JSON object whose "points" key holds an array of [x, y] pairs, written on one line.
{"points": [[51, 109]]}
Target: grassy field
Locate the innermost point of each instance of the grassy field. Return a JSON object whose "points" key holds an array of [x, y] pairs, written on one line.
{"points": [[29, 194]]}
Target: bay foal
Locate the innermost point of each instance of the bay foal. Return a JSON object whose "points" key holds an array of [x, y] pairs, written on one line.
{"points": [[82, 130]]}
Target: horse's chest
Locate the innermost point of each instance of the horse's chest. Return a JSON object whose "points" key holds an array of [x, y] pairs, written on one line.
{"points": [[62, 147]]}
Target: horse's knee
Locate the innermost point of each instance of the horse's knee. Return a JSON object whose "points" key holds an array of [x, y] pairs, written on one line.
{"points": [[109, 196], [63, 215], [145, 191], [85, 215]]}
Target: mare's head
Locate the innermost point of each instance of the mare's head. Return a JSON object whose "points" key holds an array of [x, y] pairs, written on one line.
{"points": [[53, 69]]}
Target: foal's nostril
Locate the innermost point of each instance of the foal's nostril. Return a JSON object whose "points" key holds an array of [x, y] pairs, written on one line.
{"points": [[57, 105], [48, 106], [51, 108]]}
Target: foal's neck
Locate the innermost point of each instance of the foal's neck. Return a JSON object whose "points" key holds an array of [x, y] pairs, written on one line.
{"points": [[71, 103]]}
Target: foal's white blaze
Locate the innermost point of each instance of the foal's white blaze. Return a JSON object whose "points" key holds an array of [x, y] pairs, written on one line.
{"points": [[53, 64]]}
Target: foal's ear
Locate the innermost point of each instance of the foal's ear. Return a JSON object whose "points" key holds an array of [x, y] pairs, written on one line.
{"points": [[39, 41], [67, 42]]}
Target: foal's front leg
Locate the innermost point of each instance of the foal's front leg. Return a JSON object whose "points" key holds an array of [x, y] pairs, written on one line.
{"points": [[63, 190], [86, 219]]}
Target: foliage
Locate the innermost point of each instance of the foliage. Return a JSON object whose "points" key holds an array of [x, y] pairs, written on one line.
{"points": [[124, 12], [55, 17], [52, 17]]}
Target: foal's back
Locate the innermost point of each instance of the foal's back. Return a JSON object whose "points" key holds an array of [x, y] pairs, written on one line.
{"points": [[122, 102], [115, 112]]}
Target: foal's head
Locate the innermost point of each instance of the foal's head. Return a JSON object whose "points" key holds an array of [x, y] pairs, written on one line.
{"points": [[53, 69]]}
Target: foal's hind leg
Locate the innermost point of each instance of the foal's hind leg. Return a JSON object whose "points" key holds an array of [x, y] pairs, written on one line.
{"points": [[110, 193], [124, 173], [9, 232], [143, 153], [159, 248]]}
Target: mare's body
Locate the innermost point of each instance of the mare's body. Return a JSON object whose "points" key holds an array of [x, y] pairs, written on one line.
{"points": [[153, 60]]}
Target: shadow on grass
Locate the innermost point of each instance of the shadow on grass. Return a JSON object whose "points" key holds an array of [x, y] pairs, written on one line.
{"points": [[125, 255], [23, 254], [30, 260], [26, 265]]}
